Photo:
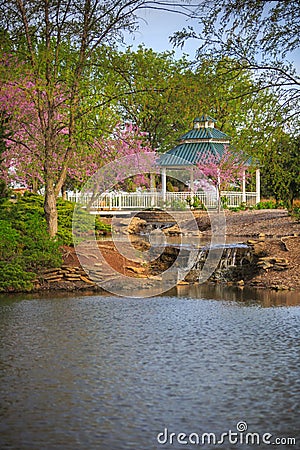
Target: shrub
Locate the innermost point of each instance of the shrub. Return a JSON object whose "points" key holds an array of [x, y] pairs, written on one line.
{"points": [[295, 213], [85, 222], [269, 204], [25, 246], [14, 277]]}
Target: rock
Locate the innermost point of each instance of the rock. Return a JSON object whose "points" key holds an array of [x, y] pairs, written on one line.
{"points": [[274, 263], [86, 280], [280, 267], [141, 245], [54, 280], [174, 230], [279, 287], [203, 223], [138, 270], [259, 248], [281, 261], [136, 225], [53, 276]]}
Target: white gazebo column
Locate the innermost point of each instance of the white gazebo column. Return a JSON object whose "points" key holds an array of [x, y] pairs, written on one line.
{"points": [[257, 184], [244, 186], [192, 185], [153, 189], [164, 183]]}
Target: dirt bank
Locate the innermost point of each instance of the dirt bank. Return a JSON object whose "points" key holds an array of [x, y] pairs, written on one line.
{"points": [[274, 223]]}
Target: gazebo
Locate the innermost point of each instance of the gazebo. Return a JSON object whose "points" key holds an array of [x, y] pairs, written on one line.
{"points": [[195, 146]]}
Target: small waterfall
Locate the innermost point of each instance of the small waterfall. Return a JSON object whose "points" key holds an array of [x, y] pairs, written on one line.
{"points": [[229, 257], [235, 259], [197, 258], [234, 255]]}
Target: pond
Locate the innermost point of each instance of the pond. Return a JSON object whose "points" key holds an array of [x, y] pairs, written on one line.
{"points": [[102, 372]]}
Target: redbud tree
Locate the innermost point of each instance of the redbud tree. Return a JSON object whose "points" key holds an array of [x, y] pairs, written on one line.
{"points": [[224, 170]]}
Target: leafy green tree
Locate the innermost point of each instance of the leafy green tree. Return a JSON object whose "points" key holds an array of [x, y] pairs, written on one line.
{"points": [[57, 40], [156, 93], [258, 35], [165, 95], [4, 191], [280, 168]]}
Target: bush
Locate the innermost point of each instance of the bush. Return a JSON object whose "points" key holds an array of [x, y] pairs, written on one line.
{"points": [[295, 213], [25, 246], [269, 204], [85, 222], [14, 277]]}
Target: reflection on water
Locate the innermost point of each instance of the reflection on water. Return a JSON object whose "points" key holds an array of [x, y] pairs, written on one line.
{"points": [[244, 295], [100, 372]]}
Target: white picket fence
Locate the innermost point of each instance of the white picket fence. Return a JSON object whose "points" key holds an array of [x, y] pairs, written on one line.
{"points": [[172, 200]]}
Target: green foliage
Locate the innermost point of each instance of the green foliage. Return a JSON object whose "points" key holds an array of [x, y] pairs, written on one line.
{"points": [[170, 187], [14, 277], [196, 203], [243, 207], [269, 204], [178, 205], [258, 35], [25, 246], [83, 223], [280, 173], [295, 213], [224, 202], [65, 211]]}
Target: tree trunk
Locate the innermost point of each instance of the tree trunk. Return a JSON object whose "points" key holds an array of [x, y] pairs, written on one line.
{"points": [[64, 192], [50, 208], [34, 185]]}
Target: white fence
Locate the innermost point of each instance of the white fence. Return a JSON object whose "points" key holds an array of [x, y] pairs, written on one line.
{"points": [[173, 200]]}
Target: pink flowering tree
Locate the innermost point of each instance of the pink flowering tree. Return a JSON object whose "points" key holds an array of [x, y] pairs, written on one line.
{"points": [[126, 141], [46, 143], [24, 157], [222, 171]]}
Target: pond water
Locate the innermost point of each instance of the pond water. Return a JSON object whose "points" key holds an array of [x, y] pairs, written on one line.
{"points": [[101, 372]]}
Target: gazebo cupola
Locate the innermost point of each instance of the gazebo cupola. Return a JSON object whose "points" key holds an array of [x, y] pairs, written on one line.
{"points": [[204, 122]]}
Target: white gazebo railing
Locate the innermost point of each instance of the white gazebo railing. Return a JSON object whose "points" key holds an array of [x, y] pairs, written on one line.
{"points": [[177, 200]]}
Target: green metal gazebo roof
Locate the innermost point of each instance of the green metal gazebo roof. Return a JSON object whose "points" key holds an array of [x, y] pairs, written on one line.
{"points": [[202, 141], [204, 118], [188, 154], [205, 133]]}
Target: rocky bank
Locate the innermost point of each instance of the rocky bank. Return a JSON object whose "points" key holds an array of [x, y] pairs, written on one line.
{"points": [[272, 236]]}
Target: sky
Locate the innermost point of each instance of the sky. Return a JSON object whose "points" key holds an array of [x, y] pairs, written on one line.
{"points": [[157, 26], [155, 29]]}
